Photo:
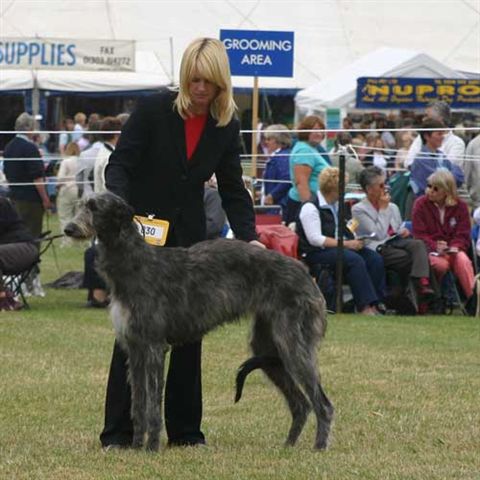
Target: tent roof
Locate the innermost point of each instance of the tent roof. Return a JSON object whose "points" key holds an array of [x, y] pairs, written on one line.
{"points": [[329, 34], [149, 74], [339, 90]]}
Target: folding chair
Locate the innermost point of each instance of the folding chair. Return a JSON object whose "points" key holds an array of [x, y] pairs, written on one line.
{"points": [[14, 280], [451, 290]]}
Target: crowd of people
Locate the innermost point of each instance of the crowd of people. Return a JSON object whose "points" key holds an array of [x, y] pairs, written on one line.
{"points": [[434, 165], [292, 184]]}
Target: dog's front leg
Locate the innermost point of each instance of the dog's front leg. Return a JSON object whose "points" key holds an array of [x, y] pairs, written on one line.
{"points": [[155, 376], [137, 375]]}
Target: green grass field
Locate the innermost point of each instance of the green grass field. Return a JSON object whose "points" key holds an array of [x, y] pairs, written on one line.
{"points": [[406, 392]]}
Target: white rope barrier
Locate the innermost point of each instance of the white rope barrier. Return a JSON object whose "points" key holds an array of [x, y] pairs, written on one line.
{"points": [[325, 130]]}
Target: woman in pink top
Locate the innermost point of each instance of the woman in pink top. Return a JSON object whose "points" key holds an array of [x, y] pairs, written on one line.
{"points": [[442, 221]]}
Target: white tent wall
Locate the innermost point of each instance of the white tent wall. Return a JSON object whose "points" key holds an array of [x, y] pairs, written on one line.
{"points": [[329, 34]]}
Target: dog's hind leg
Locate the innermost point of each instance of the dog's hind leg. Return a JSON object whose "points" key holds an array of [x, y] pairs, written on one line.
{"points": [[137, 375], [155, 374], [304, 370], [262, 345]]}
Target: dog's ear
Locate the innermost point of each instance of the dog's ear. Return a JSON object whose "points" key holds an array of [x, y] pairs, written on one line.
{"points": [[92, 204], [128, 213]]}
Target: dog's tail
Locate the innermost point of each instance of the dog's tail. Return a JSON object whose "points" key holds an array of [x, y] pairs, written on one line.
{"points": [[250, 365]]}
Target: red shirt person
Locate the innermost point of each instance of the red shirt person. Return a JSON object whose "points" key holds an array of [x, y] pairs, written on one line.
{"points": [[442, 221]]}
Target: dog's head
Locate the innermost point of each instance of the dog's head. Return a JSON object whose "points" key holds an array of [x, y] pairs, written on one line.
{"points": [[103, 215]]}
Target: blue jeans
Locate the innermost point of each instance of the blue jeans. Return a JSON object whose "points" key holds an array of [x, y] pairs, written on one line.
{"points": [[363, 270]]}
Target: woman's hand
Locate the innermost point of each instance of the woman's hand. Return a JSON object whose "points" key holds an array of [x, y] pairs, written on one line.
{"points": [[257, 243], [441, 246], [268, 200], [353, 244], [384, 201]]}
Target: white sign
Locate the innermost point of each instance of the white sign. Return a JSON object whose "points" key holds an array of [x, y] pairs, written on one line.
{"points": [[67, 54]]}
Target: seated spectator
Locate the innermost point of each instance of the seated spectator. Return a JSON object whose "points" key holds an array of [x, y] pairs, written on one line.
{"points": [[306, 163], [404, 142], [452, 146], [379, 158], [378, 216], [67, 197], [431, 158], [18, 251], [353, 166], [476, 219], [442, 221], [472, 170], [317, 230], [216, 218], [277, 141]]}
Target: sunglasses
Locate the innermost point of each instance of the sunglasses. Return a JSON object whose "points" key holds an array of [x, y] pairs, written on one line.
{"points": [[432, 187]]}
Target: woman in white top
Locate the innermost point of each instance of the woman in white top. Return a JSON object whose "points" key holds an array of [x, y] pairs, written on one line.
{"points": [[67, 198]]}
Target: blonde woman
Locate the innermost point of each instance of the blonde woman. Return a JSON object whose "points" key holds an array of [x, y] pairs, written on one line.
{"points": [[442, 221], [317, 230], [171, 144], [67, 198]]}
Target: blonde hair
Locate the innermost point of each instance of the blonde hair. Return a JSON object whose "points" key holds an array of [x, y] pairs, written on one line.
{"points": [[207, 58], [444, 180], [72, 150], [328, 180], [80, 118]]}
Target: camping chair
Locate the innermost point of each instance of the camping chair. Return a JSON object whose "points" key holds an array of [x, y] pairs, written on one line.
{"points": [[14, 280], [452, 294]]}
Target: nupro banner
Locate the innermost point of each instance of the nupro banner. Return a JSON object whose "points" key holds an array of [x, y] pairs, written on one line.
{"points": [[375, 92], [67, 54]]}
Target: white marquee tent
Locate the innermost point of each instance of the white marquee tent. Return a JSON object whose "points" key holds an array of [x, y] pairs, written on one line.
{"points": [[329, 34], [339, 89]]}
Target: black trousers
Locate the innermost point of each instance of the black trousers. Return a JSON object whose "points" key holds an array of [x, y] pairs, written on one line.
{"points": [[32, 214], [91, 279], [17, 257], [183, 398]]}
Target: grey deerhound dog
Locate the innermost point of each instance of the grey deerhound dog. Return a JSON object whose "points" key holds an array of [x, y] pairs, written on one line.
{"points": [[169, 296]]}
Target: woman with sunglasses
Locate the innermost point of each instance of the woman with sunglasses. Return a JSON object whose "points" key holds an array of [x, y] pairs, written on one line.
{"points": [[380, 219], [442, 221]]}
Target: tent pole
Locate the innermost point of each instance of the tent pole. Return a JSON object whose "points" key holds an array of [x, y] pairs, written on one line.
{"points": [[35, 96], [254, 127], [172, 63]]}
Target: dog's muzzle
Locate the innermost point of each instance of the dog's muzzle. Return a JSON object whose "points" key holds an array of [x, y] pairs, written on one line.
{"points": [[74, 231]]}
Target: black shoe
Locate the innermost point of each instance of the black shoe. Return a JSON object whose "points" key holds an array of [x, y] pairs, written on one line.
{"points": [[187, 443], [92, 303]]}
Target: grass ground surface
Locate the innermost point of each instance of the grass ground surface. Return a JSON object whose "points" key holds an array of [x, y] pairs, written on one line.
{"points": [[405, 391]]}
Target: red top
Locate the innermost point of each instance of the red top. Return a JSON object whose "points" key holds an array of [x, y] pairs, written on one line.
{"points": [[193, 131], [455, 229]]}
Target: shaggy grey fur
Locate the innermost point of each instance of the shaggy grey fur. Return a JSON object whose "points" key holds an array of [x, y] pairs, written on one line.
{"points": [[169, 296]]}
